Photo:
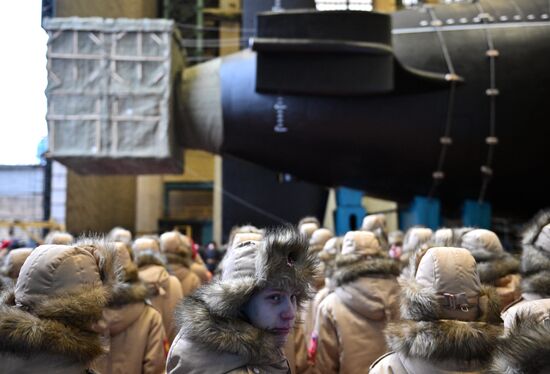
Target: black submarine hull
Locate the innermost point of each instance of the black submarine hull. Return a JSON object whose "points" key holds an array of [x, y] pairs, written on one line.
{"points": [[389, 144]]}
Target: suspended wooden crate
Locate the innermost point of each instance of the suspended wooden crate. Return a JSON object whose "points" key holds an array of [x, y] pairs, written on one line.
{"points": [[110, 95]]}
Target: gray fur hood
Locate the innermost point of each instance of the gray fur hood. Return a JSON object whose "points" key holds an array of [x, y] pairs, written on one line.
{"points": [[525, 349], [454, 343], [352, 266], [491, 264], [535, 262], [204, 322]]}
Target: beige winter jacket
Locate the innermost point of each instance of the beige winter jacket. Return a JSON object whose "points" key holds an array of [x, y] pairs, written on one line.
{"points": [[133, 332], [351, 320], [136, 341], [394, 363], [208, 344], [311, 311], [176, 249], [295, 351], [189, 280], [164, 290], [201, 271]]}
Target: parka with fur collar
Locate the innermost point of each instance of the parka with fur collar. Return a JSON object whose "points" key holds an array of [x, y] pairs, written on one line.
{"points": [[451, 322], [215, 337], [535, 262], [177, 253], [47, 322], [495, 267], [348, 335], [525, 348], [164, 290], [132, 328]]}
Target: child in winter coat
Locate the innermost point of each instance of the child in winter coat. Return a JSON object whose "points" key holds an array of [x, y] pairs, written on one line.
{"points": [[48, 323], [240, 322], [348, 334], [164, 290], [451, 321], [132, 329]]}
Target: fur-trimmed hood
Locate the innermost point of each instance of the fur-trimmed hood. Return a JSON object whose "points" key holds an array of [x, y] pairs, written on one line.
{"points": [[492, 261], [149, 257], [352, 266], [62, 328], [435, 292], [496, 266], [212, 318], [207, 324], [178, 259], [535, 261], [279, 260], [525, 349], [59, 296], [455, 343], [131, 291], [533, 227]]}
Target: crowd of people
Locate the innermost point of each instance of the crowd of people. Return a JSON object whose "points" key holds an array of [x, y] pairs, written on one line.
{"points": [[282, 300]]}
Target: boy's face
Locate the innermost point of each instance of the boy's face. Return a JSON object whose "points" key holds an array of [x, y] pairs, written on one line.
{"points": [[273, 310]]}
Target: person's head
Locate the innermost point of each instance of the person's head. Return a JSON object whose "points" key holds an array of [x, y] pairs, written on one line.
{"points": [[14, 261], [308, 225], [361, 242], [146, 251], [416, 238], [244, 229], [59, 237], [446, 285], [264, 281], [120, 234]]}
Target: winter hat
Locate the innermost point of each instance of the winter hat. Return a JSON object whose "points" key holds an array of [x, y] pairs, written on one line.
{"points": [[176, 247], [493, 262], [415, 238], [242, 237], [147, 251], [538, 310], [14, 261], [446, 286], [481, 240], [242, 230], [59, 296], [309, 219], [328, 255], [279, 260], [174, 242], [526, 344], [132, 289], [333, 246], [362, 243], [319, 238], [395, 237], [443, 237], [58, 237], [374, 222], [308, 228], [119, 234], [535, 257]]}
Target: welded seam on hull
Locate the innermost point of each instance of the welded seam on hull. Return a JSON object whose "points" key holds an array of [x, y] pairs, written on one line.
{"points": [[481, 27]]}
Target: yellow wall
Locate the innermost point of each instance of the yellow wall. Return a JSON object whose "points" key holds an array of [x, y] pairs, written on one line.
{"points": [[106, 8], [98, 203]]}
